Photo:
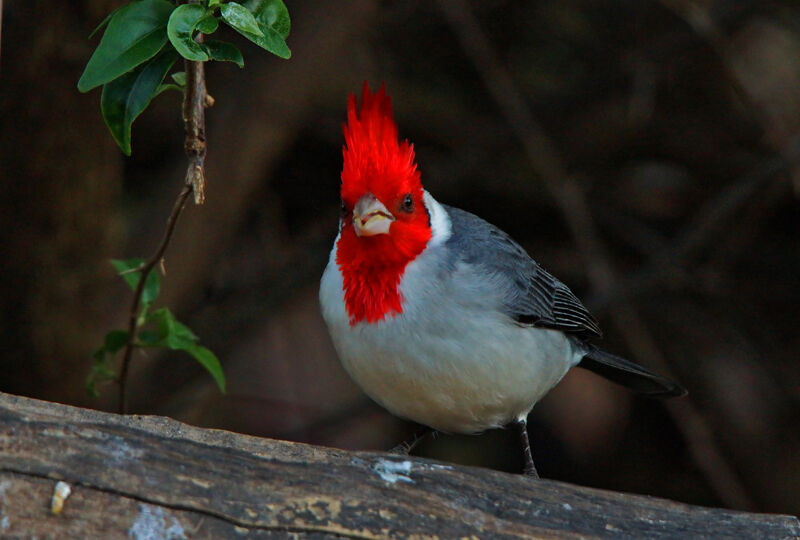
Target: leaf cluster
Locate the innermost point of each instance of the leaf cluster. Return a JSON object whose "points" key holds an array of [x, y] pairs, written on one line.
{"points": [[144, 38], [154, 329]]}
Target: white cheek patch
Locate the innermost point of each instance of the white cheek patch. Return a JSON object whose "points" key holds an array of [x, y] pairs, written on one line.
{"points": [[441, 228]]}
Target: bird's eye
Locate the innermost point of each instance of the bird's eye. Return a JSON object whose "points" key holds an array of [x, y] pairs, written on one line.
{"points": [[343, 209], [408, 203]]}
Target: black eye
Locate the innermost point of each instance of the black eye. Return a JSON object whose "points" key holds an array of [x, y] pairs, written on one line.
{"points": [[343, 209], [408, 203]]}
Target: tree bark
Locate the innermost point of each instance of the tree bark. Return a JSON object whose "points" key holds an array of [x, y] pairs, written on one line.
{"points": [[154, 477]]}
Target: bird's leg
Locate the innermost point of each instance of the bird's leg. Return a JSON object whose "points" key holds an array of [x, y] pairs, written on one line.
{"points": [[405, 447], [530, 469]]}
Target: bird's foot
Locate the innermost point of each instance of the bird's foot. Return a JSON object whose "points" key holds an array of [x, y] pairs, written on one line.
{"points": [[405, 447], [402, 449], [530, 471]]}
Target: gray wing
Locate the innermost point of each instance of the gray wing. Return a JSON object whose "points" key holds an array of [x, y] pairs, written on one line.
{"points": [[533, 296]]}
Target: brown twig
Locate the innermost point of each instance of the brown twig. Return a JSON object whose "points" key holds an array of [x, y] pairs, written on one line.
{"points": [[194, 119], [572, 204], [195, 101], [146, 268]]}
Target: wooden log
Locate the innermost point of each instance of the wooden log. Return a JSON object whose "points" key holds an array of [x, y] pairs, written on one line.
{"points": [[153, 477]]}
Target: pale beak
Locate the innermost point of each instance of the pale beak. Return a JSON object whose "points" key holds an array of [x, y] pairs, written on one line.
{"points": [[370, 216]]}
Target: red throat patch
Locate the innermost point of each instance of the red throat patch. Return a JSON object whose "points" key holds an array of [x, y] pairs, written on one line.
{"points": [[376, 162]]}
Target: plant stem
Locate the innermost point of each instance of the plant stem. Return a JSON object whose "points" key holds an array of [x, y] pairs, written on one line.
{"points": [[195, 100], [146, 268]]}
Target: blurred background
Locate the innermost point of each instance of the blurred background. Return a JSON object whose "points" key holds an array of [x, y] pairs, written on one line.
{"points": [[644, 152]]}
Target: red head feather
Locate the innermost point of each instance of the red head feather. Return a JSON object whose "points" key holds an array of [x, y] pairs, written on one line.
{"points": [[375, 162], [373, 159]]}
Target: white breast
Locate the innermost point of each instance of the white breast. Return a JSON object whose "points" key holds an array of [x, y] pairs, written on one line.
{"points": [[450, 360]]}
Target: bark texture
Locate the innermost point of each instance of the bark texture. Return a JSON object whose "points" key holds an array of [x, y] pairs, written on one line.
{"points": [[152, 477]]}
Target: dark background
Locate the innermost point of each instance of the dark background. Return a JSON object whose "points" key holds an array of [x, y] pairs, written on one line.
{"points": [[642, 151]]}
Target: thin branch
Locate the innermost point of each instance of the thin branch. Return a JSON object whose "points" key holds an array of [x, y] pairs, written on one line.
{"points": [[194, 119], [147, 267], [132, 270], [572, 204], [195, 100]]}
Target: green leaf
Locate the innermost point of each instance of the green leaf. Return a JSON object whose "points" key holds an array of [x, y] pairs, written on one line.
{"points": [[100, 370], [239, 18], [224, 51], [171, 333], [270, 14], [124, 98], [209, 361], [179, 78], [151, 286], [100, 354], [134, 34], [148, 338], [175, 335], [208, 24], [115, 340], [273, 21], [164, 87], [180, 31], [104, 22], [124, 265]]}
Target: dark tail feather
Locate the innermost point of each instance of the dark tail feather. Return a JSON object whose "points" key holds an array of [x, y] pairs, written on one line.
{"points": [[630, 375]]}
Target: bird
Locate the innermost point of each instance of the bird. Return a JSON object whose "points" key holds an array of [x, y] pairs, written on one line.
{"points": [[439, 316]]}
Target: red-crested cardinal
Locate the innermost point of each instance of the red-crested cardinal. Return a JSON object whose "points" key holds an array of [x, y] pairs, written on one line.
{"points": [[439, 316]]}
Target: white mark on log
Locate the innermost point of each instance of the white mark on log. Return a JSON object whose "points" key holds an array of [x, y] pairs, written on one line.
{"points": [[567, 506], [4, 485], [60, 494], [393, 471], [175, 530], [120, 451], [358, 462], [151, 524], [435, 467]]}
